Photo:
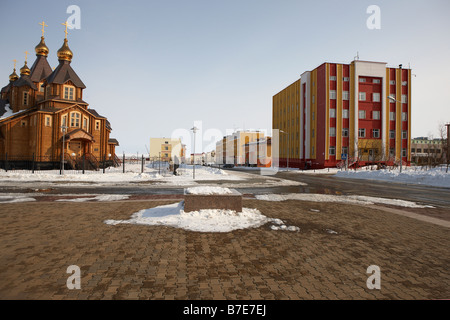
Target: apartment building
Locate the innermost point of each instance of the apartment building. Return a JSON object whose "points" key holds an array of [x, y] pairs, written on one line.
{"points": [[359, 111]]}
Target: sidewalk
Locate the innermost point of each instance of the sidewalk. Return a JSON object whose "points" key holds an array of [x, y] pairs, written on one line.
{"points": [[326, 259]]}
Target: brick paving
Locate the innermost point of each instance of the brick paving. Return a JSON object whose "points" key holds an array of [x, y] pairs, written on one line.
{"points": [[40, 240]]}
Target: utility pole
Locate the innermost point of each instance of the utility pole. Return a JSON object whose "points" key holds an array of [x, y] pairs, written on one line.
{"points": [[194, 129]]}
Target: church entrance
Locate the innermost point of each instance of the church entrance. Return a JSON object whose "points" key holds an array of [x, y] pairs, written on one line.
{"points": [[75, 148]]}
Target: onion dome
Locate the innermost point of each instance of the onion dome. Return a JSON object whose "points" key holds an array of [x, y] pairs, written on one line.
{"points": [[41, 49], [64, 53], [25, 70], [13, 76]]}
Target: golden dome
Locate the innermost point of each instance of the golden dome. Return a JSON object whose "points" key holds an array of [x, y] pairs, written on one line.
{"points": [[64, 53], [25, 70], [13, 76], [41, 49]]}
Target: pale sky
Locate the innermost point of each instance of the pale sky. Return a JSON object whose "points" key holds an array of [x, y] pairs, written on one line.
{"points": [[153, 68]]}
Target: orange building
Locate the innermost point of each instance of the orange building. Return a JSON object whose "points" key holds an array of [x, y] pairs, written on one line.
{"points": [[42, 109], [359, 111]]}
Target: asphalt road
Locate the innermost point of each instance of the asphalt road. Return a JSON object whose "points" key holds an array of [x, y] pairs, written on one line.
{"points": [[329, 184], [323, 184]]}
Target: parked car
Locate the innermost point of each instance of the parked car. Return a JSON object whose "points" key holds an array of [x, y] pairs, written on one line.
{"points": [[228, 165]]}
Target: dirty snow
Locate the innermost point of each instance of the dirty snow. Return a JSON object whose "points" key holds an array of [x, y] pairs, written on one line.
{"points": [[351, 199], [209, 220]]}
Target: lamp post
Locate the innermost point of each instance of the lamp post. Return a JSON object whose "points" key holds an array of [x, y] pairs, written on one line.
{"points": [[194, 130], [401, 155], [63, 127], [287, 165]]}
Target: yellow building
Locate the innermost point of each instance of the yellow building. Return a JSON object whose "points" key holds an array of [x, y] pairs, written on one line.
{"points": [[232, 149], [166, 149]]}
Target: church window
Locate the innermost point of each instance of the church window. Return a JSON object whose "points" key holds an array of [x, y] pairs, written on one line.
{"points": [[97, 125], [69, 92], [85, 123], [48, 121], [41, 87], [25, 98], [75, 119]]}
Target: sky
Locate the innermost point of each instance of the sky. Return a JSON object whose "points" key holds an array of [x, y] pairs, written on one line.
{"points": [[157, 68]]}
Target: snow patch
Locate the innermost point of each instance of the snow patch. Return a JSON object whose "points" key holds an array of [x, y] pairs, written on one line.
{"points": [[208, 190], [352, 199]]}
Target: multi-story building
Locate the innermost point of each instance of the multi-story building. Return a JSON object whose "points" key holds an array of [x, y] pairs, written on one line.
{"points": [[360, 111], [428, 151], [167, 150], [232, 148], [259, 153]]}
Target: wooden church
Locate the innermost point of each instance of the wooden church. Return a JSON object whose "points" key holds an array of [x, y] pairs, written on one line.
{"points": [[45, 121]]}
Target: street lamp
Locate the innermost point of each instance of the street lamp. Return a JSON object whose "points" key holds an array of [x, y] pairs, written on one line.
{"points": [[63, 127], [401, 155], [287, 165], [194, 130]]}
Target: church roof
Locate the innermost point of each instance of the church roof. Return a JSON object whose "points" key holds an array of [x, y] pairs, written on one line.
{"points": [[24, 80], [64, 73], [6, 88], [3, 104], [40, 70]]}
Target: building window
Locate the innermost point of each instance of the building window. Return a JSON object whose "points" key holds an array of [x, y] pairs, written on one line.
{"points": [[376, 97], [345, 95], [332, 113], [392, 116], [41, 87], [85, 123], [333, 78], [404, 116], [25, 98], [23, 123], [403, 152], [332, 132], [332, 151], [362, 133], [48, 121], [312, 133], [333, 94], [345, 113], [413, 150], [75, 119], [345, 150], [362, 79], [404, 98], [376, 133], [346, 79], [69, 92], [64, 120], [345, 132], [362, 96], [419, 150], [362, 114], [392, 82], [97, 124], [404, 83], [376, 115], [392, 152], [404, 134], [376, 81]]}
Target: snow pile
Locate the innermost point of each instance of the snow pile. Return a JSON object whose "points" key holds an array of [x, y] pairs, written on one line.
{"points": [[209, 220], [105, 197], [436, 177], [352, 199], [207, 190], [11, 198]]}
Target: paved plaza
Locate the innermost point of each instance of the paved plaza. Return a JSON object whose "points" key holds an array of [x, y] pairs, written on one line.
{"points": [[327, 259]]}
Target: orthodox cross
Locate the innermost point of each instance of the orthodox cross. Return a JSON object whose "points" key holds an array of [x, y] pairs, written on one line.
{"points": [[66, 25], [43, 26], [26, 56], [15, 61]]}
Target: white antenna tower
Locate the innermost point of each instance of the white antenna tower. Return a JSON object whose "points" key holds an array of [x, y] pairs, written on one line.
{"points": [[357, 56]]}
